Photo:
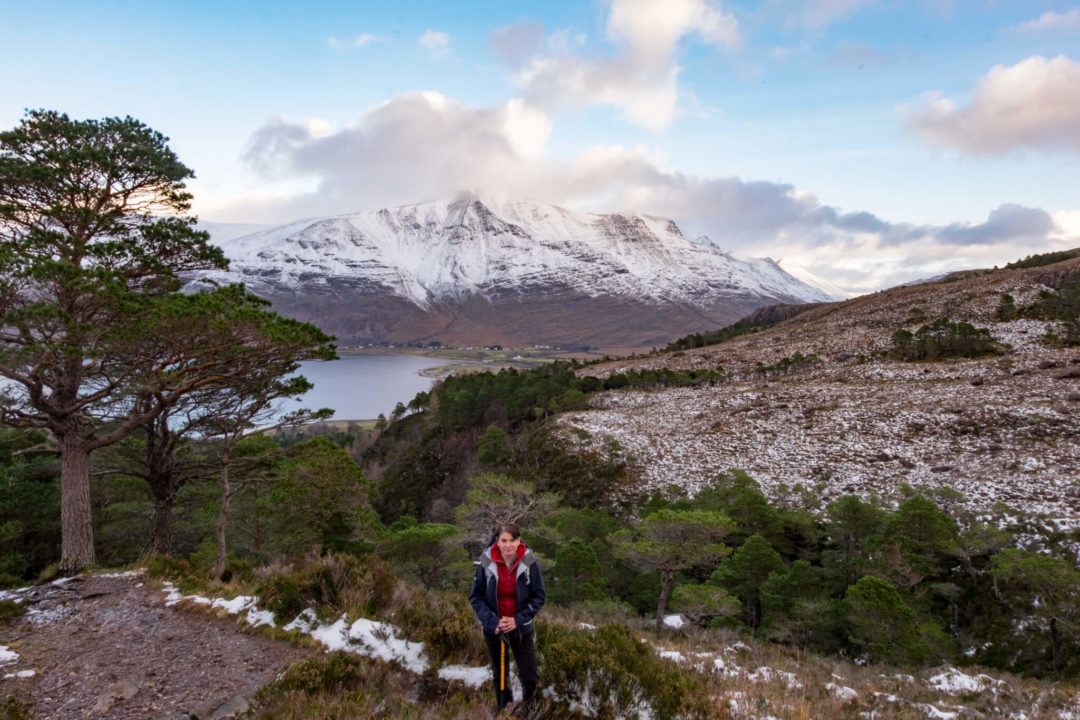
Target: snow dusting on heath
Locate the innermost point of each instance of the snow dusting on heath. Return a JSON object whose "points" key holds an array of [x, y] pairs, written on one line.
{"points": [[998, 429]]}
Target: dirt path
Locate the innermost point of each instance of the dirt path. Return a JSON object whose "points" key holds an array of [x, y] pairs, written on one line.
{"points": [[107, 647]]}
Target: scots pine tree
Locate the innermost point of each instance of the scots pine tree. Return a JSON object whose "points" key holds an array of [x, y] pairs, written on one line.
{"points": [[93, 232]]}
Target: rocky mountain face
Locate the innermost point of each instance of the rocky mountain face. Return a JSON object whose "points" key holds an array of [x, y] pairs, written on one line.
{"points": [[473, 271], [852, 418]]}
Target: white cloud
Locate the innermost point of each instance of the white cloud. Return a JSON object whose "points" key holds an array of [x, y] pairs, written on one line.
{"points": [[1050, 21], [641, 79], [357, 41], [1034, 104], [435, 40]]}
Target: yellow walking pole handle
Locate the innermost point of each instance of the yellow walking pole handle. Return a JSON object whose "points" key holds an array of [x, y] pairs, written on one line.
{"points": [[502, 666]]}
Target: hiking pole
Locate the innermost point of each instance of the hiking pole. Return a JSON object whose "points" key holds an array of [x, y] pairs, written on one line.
{"points": [[504, 642]]}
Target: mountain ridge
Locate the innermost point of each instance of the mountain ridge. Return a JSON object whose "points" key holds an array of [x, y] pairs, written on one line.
{"points": [[471, 269]]}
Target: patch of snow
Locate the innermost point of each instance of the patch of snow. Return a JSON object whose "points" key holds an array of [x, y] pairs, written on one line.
{"points": [[237, 604], [844, 693], [768, 674], [15, 594], [954, 682], [674, 621], [937, 713], [303, 622], [7, 655], [21, 674], [173, 596], [586, 626], [471, 676], [380, 640], [50, 614], [672, 655], [256, 617], [334, 636]]}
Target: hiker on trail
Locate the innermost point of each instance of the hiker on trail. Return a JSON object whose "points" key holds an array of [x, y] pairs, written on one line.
{"points": [[506, 595]]}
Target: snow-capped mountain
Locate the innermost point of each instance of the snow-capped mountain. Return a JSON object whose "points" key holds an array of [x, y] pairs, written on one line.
{"points": [[476, 271]]}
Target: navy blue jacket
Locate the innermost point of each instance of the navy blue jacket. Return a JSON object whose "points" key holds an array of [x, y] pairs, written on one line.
{"points": [[530, 592]]}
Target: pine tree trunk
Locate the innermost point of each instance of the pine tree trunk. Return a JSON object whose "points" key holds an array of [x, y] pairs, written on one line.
{"points": [[667, 579], [256, 542], [163, 525], [223, 516], [77, 544]]}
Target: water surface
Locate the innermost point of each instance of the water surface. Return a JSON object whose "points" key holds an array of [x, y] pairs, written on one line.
{"points": [[359, 387]]}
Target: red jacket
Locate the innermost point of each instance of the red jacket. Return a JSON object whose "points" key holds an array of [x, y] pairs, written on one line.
{"points": [[507, 590]]}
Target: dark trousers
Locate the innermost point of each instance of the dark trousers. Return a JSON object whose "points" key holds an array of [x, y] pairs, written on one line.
{"points": [[523, 649]]}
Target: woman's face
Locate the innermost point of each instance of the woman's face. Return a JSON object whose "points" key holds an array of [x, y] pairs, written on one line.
{"points": [[508, 545]]}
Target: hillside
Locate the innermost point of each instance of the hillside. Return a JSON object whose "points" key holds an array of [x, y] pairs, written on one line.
{"points": [[853, 419]]}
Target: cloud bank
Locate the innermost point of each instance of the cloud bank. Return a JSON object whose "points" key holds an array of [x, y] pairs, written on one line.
{"points": [[640, 79], [1050, 21], [1033, 105]]}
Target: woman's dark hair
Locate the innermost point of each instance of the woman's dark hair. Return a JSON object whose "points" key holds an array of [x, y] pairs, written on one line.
{"points": [[514, 530]]}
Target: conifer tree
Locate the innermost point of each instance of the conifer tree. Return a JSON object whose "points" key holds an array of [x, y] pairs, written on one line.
{"points": [[669, 541], [93, 233]]}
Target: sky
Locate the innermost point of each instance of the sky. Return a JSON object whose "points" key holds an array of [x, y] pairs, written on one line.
{"points": [[870, 142]]}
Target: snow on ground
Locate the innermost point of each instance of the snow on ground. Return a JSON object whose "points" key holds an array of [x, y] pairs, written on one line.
{"points": [[996, 429], [471, 676], [973, 426], [767, 674], [843, 692], [382, 642], [363, 637], [7, 655], [955, 682]]}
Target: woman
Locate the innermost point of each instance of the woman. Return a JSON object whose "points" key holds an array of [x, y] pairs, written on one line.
{"points": [[506, 595]]}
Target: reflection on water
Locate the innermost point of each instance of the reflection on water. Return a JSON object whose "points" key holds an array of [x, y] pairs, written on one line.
{"points": [[359, 387]]}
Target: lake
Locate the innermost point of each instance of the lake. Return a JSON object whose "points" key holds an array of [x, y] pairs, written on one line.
{"points": [[359, 387]]}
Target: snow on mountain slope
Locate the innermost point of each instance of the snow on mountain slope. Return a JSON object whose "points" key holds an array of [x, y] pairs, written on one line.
{"points": [[441, 252], [837, 292]]}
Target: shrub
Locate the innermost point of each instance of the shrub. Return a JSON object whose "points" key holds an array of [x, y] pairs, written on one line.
{"points": [[336, 582], [14, 708], [942, 339], [612, 673], [1062, 306], [9, 610], [881, 626], [1042, 259], [444, 622], [341, 685]]}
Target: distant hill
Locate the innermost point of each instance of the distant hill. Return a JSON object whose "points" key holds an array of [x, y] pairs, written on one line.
{"points": [[474, 271]]}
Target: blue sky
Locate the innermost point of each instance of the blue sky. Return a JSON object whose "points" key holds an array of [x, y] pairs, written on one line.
{"points": [[870, 142]]}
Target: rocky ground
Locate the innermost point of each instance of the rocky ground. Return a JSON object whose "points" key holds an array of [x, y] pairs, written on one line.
{"points": [[107, 646]]}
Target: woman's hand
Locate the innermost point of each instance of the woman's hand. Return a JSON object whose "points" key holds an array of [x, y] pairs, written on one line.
{"points": [[506, 625]]}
